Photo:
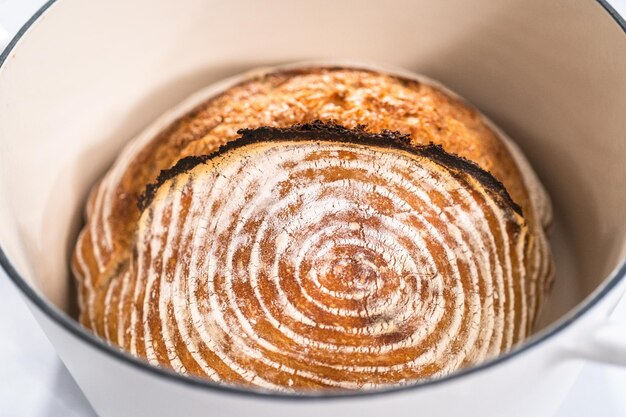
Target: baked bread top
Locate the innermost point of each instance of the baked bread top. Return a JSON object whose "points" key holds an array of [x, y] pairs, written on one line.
{"points": [[480, 299]]}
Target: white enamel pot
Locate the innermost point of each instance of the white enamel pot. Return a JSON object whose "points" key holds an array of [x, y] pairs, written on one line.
{"points": [[83, 77]]}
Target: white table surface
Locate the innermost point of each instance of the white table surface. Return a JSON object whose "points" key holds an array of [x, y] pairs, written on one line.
{"points": [[34, 382]]}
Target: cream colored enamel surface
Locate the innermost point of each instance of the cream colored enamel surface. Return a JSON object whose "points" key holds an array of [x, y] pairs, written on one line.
{"points": [[549, 73]]}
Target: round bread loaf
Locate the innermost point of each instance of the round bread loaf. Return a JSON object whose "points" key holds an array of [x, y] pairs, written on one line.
{"points": [[316, 228]]}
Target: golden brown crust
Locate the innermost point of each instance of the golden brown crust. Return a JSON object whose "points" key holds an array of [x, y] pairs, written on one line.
{"points": [[280, 99]]}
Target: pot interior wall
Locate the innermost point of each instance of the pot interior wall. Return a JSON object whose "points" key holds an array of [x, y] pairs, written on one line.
{"points": [[87, 77]]}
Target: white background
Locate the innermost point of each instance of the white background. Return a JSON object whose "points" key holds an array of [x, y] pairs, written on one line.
{"points": [[34, 383]]}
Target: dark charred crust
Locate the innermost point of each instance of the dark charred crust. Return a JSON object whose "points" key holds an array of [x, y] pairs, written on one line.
{"points": [[319, 130], [484, 177], [184, 165], [330, 131]]}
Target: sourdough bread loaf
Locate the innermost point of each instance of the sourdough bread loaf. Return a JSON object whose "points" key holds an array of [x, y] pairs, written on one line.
{"points": [[320, 227]]}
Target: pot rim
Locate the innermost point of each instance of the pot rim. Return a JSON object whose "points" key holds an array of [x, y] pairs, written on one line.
{"points": [[73, 327]]}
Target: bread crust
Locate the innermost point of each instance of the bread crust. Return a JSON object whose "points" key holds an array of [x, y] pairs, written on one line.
{"points": [[363, 99]]}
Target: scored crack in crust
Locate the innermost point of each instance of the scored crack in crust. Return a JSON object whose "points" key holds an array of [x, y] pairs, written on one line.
{"points": [[331, 131], [106, 263]]}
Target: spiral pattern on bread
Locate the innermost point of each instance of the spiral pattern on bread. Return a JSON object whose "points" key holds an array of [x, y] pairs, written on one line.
{"points": [[314, 255]]}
